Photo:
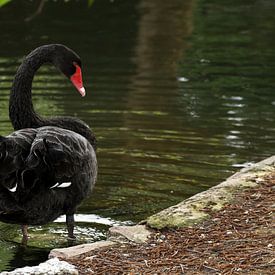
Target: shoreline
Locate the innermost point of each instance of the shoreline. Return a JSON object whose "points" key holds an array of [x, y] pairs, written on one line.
{"points": [[189, 213]]}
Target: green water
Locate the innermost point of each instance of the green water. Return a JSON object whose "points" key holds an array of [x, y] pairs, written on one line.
{"points": [[179, 93]]}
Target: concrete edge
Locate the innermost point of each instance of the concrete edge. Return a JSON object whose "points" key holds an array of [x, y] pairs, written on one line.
{"points": [[192, 210], [77, 250]]}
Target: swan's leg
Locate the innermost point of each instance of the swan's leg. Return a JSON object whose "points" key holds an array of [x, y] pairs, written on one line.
{"points": [[70, 226], [25, 236]]}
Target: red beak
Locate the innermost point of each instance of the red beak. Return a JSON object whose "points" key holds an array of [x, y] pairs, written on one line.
{"points": [[76, 79]]}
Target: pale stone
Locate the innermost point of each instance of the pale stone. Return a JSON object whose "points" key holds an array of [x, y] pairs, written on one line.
{"points": [[136, 233], [52, 266], [73, 251], [191, 211]]}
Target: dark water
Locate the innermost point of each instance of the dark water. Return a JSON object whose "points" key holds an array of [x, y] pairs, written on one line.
{"points": [[180, 95]]}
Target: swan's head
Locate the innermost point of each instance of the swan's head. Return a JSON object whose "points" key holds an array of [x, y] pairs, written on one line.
{"points": [[69, 63]]}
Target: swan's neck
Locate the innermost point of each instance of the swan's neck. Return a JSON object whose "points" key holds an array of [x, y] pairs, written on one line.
{"points": [[21, 109], [22, 114]]}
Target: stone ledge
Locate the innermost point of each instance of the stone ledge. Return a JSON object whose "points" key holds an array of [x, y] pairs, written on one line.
{"points": [[77, 250], [191, 210], [135, 233], [116, 235]]}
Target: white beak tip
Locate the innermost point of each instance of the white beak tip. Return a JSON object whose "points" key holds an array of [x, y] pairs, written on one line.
{"points": [[82, 91]]}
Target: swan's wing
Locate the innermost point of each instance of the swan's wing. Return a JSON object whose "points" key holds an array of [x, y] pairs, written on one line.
{"points": [[58, 155], [10, 156], [13, 151]]}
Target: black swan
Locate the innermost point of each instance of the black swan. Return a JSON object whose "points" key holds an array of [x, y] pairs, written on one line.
{"points": [[47, 166]]}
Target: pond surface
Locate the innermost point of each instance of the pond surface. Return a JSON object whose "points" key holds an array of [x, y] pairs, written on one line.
{"points": [[180, 94]]}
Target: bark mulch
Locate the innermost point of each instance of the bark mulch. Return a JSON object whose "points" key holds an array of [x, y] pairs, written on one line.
{"points": [[239, 239]]}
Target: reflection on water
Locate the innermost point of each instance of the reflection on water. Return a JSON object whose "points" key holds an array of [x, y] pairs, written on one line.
{"points": [[179, 93]]}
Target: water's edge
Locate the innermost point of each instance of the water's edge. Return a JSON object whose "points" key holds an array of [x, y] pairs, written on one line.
{"points": [[187, 213]]}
